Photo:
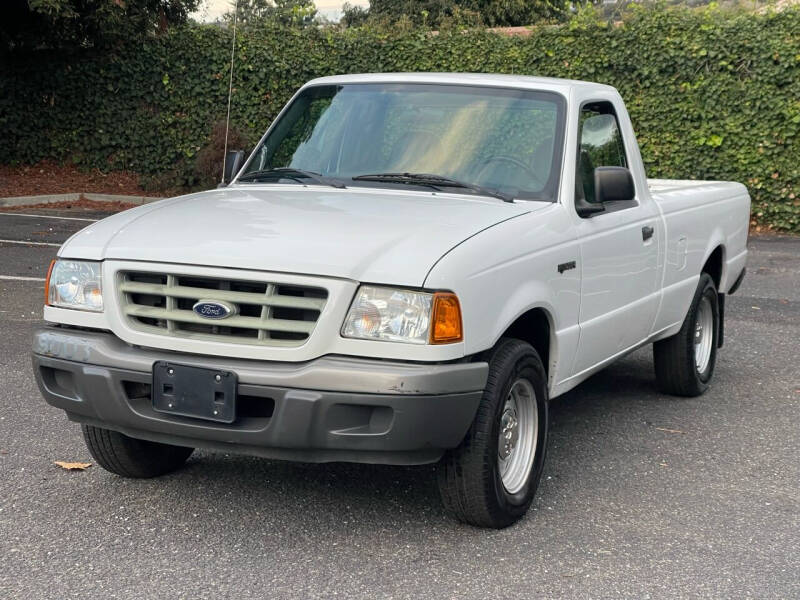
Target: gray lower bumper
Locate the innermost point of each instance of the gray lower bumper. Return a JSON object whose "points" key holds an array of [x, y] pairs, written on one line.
{"points": [[329, 409]]}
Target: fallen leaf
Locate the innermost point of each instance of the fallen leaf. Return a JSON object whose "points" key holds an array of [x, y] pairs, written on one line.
{"points": [[73, 466], [670, 430]]}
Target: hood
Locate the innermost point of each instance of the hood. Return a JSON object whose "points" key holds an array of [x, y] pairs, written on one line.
{"points": [[363, 234]]}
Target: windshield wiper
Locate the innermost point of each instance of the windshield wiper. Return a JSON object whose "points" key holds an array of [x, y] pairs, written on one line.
{"points": [[432, 180], [291, 173]]}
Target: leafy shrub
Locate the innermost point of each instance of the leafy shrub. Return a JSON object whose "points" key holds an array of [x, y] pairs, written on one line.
{"points": [[712, 95], [208, 164]]}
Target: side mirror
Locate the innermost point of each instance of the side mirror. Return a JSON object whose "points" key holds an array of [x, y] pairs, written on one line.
{"points": [[233, 162], [613, 183]]}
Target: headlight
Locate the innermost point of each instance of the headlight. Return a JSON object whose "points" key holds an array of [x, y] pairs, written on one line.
{"points": [[75, 284], [396, 315]]}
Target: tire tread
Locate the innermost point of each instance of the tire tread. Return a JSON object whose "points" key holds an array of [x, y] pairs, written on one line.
{"points": [[465, 473], [673, 358], [130, 457]]}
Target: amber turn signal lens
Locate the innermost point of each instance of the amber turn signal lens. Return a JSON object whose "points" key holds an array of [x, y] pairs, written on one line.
{"points": [[47, 282], [446, 326]]}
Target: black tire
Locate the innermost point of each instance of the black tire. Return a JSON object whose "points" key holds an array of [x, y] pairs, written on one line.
{"points": [[129, 457], [469, 475], [674, 358]]}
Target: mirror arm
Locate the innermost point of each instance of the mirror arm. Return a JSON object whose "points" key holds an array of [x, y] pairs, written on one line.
{"points": [[587, 209]]}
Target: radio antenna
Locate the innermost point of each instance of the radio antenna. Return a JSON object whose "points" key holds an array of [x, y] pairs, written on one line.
{"points": [[230, 90]]}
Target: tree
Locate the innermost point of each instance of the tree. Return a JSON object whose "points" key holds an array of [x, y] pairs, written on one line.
{"points": [[293, 13], [62, 24], [353, 16], [435, 13], [517, 12]]}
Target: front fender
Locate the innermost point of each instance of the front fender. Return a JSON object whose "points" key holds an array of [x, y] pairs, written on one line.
{"points": [[507, 270]]}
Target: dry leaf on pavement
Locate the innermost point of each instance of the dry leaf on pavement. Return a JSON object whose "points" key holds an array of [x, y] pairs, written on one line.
{"points": [[73, 466]]}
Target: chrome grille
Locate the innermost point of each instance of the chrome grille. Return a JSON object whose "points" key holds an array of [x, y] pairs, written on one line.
{"points": [[265, 313]]}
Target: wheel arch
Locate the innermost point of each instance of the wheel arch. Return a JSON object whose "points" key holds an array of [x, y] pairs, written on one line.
{"points": [[536, 326], [714, 264]]}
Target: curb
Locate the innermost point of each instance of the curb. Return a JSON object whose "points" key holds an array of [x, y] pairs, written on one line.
{"points": [[51, 198]]}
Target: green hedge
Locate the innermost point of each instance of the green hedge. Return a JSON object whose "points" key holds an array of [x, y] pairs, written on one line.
{"points": [[712, 94]]}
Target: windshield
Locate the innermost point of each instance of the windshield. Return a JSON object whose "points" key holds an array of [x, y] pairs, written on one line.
{"points": [[503, 140]]}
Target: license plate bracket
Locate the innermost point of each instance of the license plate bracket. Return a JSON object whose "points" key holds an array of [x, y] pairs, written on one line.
{"points": [[194, 392]]}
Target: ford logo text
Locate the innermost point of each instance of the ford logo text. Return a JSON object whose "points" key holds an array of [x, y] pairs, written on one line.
{"points": [[213, 309]]}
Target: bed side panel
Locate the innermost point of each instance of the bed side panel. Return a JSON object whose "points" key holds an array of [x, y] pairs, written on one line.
{"points": [[699, 217]]}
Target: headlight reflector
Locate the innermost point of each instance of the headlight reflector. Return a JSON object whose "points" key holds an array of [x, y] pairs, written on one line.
{"points": [[75, 284], [397, 315], [389, 314]]}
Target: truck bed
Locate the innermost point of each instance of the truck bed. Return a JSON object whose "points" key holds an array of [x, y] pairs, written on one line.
{"points": [[659, 186], [698, 217], [681, 195]]}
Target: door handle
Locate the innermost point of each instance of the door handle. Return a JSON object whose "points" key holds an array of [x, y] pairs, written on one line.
{"points": [[647, 232]]}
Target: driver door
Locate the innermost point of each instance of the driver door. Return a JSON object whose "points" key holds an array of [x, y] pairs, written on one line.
{"points": [[618, 248]]}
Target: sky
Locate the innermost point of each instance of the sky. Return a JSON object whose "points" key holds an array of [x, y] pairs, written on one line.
{"points": [[213, 9]]}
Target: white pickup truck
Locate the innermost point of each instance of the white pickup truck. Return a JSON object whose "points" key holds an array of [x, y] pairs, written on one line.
{"points": [[406, 270]]}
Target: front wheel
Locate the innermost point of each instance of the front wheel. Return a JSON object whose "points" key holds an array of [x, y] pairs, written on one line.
{"points": [[490, 479], [684, 363], [130, 457]]}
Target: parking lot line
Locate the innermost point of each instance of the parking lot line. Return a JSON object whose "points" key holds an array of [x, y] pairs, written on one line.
{"points": [[20, 278], [49, 217], [30, 243]]}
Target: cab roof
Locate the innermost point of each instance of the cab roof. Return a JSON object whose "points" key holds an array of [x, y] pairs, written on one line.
{"points": [[563, 86]]}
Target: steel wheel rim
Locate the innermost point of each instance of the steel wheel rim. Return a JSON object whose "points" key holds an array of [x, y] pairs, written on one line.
{"points": [[519, 433], [703, 334]]}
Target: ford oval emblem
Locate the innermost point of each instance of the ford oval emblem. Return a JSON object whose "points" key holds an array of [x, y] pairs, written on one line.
{"points": [[213, 309]]}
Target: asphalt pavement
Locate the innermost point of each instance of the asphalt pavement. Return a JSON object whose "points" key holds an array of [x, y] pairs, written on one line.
{"points": [[643, 496]]}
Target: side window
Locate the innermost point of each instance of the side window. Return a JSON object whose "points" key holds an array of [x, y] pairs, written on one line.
{"points": [[600, 145]]}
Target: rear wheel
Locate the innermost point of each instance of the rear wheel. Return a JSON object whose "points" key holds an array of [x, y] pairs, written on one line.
{"points": [[685, 362], [129, 457], [490, 479]]}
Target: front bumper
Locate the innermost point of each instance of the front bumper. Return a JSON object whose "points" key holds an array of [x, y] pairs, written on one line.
{"points": [[329, 409]]}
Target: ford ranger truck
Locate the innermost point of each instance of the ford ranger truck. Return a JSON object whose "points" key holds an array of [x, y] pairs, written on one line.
{"points": [[406, 270]]}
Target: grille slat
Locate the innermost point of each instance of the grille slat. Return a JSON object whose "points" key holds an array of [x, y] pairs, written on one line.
{"points": [[187, 316], [265, 313], [194, 293]]}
